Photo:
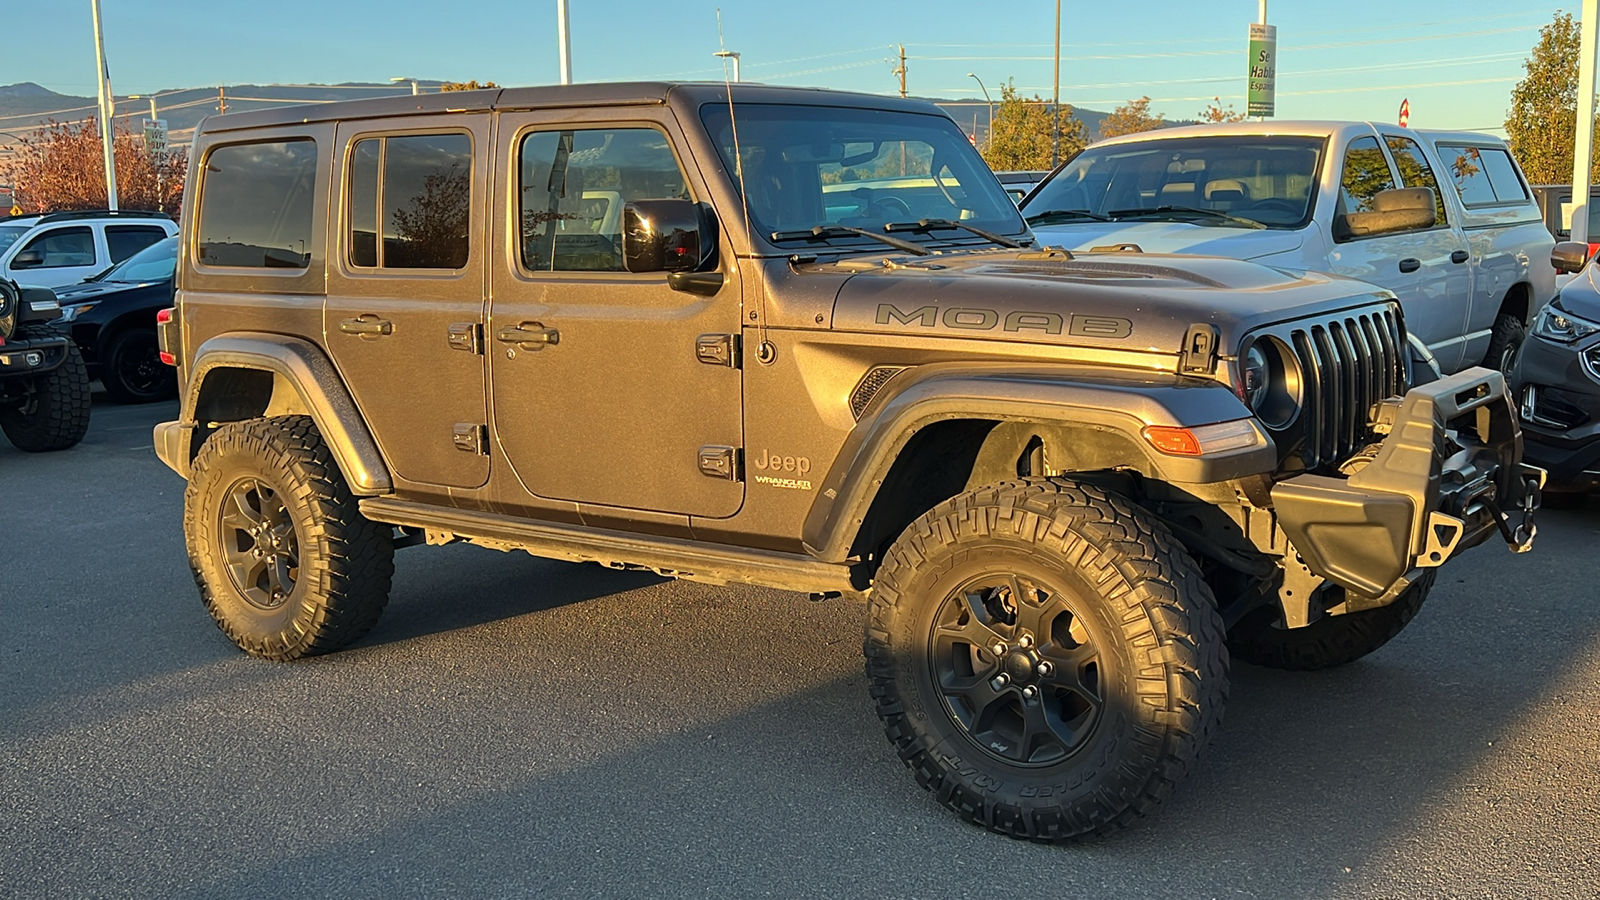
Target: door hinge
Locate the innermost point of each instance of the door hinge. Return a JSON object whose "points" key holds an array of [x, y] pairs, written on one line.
{"points": [[720, 462], [466, 336], [1199, 356], [717, 349], [471, 437]]}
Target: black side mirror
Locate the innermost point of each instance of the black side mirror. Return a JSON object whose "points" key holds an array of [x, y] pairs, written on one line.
{"points": [[666, 235], [28, 259], [1569, 256], [1394, 210]]}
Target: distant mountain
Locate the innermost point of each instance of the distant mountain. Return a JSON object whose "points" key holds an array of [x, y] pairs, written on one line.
{"points": [[26, 106]]}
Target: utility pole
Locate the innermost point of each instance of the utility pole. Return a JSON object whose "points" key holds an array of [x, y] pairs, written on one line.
{"points": [[222, 101], [902, 70], [1055, 99], [106, 112], [1583, 151], [564, 38], [733, 55]]}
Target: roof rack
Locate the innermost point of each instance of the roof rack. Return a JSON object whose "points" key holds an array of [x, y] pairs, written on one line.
{"points": [[68, 215]]}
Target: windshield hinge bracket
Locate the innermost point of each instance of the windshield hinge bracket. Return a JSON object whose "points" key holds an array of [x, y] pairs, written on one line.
{"points": [[1199, 356]]}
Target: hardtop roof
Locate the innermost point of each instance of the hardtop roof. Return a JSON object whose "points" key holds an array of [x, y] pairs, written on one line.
{"points": [[627, 93]]}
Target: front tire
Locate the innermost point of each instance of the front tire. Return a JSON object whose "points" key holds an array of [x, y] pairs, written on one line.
{"points": [[56, 415], [285, 562], [1115, 671], [1330, 641], [1504, 342]]}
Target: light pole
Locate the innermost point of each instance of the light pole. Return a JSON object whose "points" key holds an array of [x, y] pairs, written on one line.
{"points": [[733, 55], [1055, 99], [985, 90], [403, 80], [564, 41], [106, 110]]}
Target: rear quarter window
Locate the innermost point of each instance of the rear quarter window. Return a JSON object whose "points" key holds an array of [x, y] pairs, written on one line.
{"points": [[1483, 176], [256, 204]]}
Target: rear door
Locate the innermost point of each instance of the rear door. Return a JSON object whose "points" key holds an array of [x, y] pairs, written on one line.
{"points": [[69, 254], [404, 314], [599, 395]]}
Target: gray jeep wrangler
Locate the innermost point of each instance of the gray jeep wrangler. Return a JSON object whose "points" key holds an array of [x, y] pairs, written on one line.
{"points": [[44, 387], [803, 339]]}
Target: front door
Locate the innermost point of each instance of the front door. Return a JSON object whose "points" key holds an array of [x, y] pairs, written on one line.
{"points": [[1435, 290], [406, 290], [599, 397]]}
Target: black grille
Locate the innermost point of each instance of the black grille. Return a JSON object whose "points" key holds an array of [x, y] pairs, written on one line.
{"points": [[871, 383], [1349, 363]]}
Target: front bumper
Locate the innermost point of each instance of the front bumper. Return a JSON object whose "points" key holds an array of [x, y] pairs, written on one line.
{"points": [[33, 355], [1447, 470], [1559, 399]]}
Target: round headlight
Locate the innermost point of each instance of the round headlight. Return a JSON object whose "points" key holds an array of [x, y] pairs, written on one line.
{"points": [[1271, 383]]}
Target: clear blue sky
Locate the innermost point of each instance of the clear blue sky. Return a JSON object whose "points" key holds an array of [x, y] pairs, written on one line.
{"points": [[1456, 60]]}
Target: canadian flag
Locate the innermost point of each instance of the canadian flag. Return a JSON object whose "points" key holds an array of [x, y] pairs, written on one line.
{"points": [[1405, 112]]}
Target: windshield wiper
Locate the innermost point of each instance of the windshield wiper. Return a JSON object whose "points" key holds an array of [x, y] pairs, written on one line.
{"points": [[823, 232], [932, 224], [1169, 212], [1065, 215]]}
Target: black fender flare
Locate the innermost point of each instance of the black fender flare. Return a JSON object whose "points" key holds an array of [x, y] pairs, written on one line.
{"points": [[1095, 406], [320, 390]]}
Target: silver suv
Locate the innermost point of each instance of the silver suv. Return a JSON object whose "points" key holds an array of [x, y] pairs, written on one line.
{"points": [[55, 249]]}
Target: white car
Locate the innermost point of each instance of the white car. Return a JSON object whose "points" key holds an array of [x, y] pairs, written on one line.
{"points": [[61, 248], [1470, 263]]}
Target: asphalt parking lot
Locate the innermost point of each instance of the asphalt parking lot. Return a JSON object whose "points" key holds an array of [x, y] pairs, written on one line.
{"points": [[515, 727]]}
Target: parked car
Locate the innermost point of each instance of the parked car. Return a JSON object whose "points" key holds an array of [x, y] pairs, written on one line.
{"points": [[62, 248], [112, 317], [44, 390], [1557, 378], [1069, 486], [1351, 198], [1018, 184]]}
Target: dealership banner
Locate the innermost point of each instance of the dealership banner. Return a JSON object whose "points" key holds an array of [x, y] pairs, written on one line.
{"points": [[1263, 69]]}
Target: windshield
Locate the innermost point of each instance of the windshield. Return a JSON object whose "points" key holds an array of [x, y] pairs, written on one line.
{"points": [[154, 263], [9, 235], [811, 167], [1237, 180]]}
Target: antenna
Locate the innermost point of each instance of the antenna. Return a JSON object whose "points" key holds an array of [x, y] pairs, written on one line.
{"points": [[764, 349]]}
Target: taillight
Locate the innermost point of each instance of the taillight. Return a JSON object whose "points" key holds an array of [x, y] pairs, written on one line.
{"points": [[166, 336], [168, 358], [164, 316]]}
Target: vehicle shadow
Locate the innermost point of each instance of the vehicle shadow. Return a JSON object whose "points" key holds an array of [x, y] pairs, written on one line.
{"points": [[625, 754]]}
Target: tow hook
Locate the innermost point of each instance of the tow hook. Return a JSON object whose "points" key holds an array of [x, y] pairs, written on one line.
{"points": [[1520, 537]]}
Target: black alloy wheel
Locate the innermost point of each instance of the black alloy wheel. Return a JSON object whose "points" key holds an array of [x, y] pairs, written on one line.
{"points": [[1018, 669], [132, 371], [259, 547]]}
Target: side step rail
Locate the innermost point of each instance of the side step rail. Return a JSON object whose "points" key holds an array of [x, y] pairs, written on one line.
{"points": [[674, 557]]}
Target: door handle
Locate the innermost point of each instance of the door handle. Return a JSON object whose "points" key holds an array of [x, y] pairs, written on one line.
{"points": [[529, 335], [1410, 264], [1460, 256], [367, 326]]}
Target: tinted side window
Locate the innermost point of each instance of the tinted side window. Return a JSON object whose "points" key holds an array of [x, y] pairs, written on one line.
{"points": [[1508, 188], [1366, 173], [255, 205], [1465, 167], [64, 247], [1416, 172], [420, 188], [124, 241], [573, 187]]}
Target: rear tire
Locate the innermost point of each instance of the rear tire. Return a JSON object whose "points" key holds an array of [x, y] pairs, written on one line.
{"points": [[1115, 671], [1260, 637], [285, 562], [56, 416], [132, 371]]}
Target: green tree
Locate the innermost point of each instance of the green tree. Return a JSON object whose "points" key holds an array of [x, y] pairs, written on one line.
{"points": [[1021, 133], [1130, 117], [1542, 123]]}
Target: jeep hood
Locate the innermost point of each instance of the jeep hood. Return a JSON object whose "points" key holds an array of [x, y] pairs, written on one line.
{"points": [[1172, 237], [1123, 301]]}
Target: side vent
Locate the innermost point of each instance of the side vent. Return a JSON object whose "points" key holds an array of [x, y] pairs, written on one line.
{"points": [[871, 383]]}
